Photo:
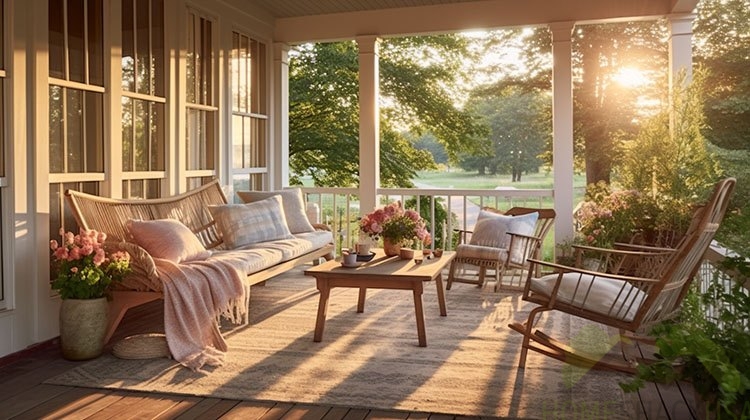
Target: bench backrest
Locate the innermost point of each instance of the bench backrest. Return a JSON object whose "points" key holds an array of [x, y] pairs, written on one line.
{"points": [[110, 215]]}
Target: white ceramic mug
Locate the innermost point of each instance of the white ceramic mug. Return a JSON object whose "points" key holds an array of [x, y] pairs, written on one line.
{"points": [[363, 249], [350, 258]]}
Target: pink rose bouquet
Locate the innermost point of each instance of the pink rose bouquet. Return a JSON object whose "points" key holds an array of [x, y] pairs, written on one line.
{"points": [[84, 269], [396, 224]]}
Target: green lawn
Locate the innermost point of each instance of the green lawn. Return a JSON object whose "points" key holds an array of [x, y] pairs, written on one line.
{"points": [[456, 178]]}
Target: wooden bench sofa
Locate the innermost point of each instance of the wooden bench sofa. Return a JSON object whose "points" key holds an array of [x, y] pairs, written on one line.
{"points": [[142, 285]]}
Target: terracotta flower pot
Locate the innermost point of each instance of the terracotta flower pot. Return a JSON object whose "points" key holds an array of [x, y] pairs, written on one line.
{"points": [[391, 248], [406, 253]]}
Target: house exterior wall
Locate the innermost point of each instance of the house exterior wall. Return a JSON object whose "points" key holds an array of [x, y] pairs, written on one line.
{"points": [[29, 309]]}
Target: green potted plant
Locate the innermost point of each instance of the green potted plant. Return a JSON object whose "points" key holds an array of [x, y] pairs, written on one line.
{"points": [[712, 352], [85, 271]]}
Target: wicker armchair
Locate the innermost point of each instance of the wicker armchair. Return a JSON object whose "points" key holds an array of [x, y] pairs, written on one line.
{"points": [[628, 289], [508, 264]]}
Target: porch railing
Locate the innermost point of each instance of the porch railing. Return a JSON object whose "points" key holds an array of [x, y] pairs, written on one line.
{"points": [[339, 209], [446, 210], [711, 272]]}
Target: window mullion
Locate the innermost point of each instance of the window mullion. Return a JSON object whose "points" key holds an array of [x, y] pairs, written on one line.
{"points": [[64, 129], [136, 83], [66, 46], [86, 54]]}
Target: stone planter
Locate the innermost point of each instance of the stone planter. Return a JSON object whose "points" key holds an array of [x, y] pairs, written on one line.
{"points": [[83, 325]]}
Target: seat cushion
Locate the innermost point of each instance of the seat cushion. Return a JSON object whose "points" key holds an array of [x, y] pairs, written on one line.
{"points": [[244, 224], [480, 252], [291, 200], [167, 239], [603, 295]]}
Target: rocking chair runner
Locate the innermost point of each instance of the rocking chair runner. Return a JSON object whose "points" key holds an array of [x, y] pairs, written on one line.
{"points": [[509, 263], [631, 290]]}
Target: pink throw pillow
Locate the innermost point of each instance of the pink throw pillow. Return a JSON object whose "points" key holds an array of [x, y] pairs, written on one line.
{"points": [[168, 239]]}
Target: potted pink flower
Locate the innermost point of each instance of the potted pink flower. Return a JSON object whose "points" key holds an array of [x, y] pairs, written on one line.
{"points": [[397, 226], [85, 271]]}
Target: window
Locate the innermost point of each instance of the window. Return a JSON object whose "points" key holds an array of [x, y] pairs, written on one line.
{"points": [[76, 103], [143, 98], [247, 70], [201, 112]]}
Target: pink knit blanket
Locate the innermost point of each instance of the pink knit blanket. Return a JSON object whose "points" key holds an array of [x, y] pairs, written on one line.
{"points": [[196, 295]]}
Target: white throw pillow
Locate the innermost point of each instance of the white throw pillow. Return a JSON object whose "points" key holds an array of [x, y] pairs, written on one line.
{"points": [[600, 294], [294, 206], [168, 239], [244, 224], [492, 229]]}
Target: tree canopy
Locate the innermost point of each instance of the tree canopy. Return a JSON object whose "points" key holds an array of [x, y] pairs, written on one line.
{"points": [[722, 33], [518, 132], [418, 79]]}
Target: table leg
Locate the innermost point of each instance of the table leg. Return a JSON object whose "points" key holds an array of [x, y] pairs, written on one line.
{"points": [[361, 300], [441, 294], [420, 317], [320, 321]]}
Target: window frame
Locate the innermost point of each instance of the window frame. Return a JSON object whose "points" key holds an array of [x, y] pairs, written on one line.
{"points": [[248, 176], [206, 105]]}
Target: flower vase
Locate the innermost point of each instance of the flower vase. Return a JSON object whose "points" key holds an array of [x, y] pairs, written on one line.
{"points": [[391, 248], [83, 325]]}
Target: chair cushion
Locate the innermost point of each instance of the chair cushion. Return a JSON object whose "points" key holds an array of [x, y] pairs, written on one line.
{"points": [[600, 294], [167, 239], [244, 224], [291, 200], [480, 252], [492, 229]]}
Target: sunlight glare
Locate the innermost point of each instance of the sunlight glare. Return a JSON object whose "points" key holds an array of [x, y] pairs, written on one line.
{"points": [[630, 77]]}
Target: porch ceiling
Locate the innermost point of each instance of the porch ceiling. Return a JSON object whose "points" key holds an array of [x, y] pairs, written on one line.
{"points": [[302, 21]]}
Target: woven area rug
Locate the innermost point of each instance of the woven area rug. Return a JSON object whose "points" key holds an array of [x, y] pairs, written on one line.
{"points": [[372, 359]]}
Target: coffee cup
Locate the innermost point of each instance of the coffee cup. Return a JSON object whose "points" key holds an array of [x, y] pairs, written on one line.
{"points": [[363, 249], [350, 258]]}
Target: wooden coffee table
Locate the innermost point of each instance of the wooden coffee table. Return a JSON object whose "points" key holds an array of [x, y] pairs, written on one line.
{"points": [[380, 273]]}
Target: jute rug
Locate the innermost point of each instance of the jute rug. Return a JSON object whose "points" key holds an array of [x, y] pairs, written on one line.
{"points": [[372, 360]]}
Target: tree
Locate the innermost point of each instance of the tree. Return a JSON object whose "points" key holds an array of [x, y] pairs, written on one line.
{"points": [[429, 143], [672, 161], [722, 39], [518, 131], [417, 80], [604, 109]]}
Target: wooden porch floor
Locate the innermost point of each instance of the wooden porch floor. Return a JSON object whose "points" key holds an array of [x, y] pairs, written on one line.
{"points": [[23, 394]]}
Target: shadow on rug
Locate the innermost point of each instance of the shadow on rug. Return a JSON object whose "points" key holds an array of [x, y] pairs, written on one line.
{"points": [[372, 360]]}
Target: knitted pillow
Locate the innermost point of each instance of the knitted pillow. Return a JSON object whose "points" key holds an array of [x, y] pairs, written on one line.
{"points": [[291, 200], [491, 230], [168, 239], [245, 224]]}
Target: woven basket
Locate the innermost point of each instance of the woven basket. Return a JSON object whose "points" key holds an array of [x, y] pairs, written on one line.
{"points": [[142, 346]]}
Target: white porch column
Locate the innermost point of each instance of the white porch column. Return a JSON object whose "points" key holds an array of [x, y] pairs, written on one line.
{"points": [[562, 129], [369, 122], [680, 46], [680, 54], [279, 150]]}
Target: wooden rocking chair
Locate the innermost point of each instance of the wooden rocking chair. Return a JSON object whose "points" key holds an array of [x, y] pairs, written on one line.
{"points": [[631, 289], [510, 263]]}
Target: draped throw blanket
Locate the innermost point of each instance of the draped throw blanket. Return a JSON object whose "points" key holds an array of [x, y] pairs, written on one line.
{"points": [[196, 295]]}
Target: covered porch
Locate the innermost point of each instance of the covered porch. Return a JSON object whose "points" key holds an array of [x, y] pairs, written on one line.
{"points": [[86, 131]]}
